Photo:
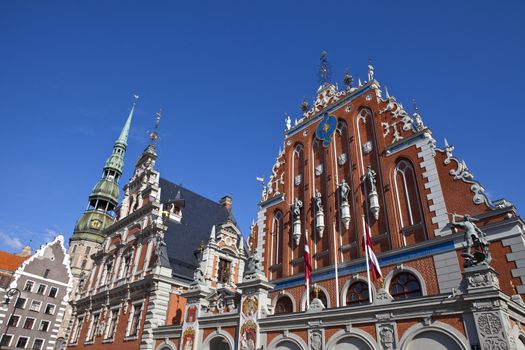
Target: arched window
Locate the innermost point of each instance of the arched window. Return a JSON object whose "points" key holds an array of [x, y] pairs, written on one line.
{"points": [[357, 293], [405, 285], [284, 305], [277, 233], [319, 294], [408, 203]]}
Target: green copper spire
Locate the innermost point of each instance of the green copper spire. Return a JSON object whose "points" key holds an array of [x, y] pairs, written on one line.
{"points": [[103, 199]]}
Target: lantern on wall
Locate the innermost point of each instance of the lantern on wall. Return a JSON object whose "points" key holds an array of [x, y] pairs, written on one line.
{"points": [[345, 214]]}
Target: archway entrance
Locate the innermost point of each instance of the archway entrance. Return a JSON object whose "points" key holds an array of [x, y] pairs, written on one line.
{"points": [[433, 340], [287, 345], [219, 343], [351, 343]]}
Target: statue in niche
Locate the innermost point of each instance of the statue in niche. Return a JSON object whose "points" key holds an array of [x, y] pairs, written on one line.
{"points": [[318, 201], [159, 244], [345, 190], [296, 209], [477, 247], [370, 175]]}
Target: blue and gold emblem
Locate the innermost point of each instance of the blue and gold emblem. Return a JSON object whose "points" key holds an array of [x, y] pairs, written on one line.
{"points": [[326, 129]]}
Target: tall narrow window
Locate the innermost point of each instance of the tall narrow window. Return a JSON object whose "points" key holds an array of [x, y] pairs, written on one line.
{"points": [[77, 329], [410, 216], [277, 233], [135, 320], [93, 327], [110, 332], [223, 274]]}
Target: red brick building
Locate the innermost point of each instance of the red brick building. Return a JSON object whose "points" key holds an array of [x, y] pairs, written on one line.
{"points": [[174, 272]]}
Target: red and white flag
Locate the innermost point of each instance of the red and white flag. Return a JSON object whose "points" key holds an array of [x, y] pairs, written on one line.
{"points": [[376, 269], [307, 261]]}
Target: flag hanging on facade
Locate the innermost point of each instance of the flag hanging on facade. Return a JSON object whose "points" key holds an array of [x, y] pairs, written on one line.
{"points": [[307, 261], [376, 269]]}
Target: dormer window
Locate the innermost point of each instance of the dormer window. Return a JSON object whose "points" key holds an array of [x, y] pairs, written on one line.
{"points": [[223, 274]]}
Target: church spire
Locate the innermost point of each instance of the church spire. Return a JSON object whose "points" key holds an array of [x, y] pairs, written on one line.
{"points": [[103, 199]]}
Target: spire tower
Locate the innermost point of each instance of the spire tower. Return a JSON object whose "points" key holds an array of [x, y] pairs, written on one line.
{"points": [[103, 200]]}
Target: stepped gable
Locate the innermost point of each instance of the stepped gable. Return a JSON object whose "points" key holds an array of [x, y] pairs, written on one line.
{"points": [[182, 239]]}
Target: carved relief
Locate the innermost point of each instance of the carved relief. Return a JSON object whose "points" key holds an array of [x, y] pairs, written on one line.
{"points": [[315, 339], [491, 332]]}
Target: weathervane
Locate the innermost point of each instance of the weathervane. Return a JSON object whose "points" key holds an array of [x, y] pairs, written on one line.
{"points": [[324, 69], [154, 136]]}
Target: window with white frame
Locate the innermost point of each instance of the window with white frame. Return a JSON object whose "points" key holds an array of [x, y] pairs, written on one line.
{"points": [[29, 286], [134, 320], [44, 326], [41, 289], [77, 329], [22, 342], [20, 303], [108, 273], [126, 267], [112, 324], [53, 292], [38, 344], [92, 331], [13, 321], [29, 323], [6, 340], [50, 309], [35, 305]]}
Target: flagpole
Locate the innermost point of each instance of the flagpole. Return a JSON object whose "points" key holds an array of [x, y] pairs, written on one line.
{"points": [[308, 279], [367, 259], [336, 272]]}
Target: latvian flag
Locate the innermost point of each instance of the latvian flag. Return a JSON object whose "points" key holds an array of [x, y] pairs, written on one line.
{"points": [[307, 261], [376, 269]]}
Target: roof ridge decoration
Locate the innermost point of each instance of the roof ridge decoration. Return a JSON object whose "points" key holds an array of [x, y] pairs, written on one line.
{"points": [[272, 188], [463, 173]]}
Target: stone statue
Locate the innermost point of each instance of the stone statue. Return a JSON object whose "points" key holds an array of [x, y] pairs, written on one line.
{"points": [[318, 201], [370, 175], [159, 244], [296, 209], [474, 238], [198, 276], [345, 190], [253, 265]]}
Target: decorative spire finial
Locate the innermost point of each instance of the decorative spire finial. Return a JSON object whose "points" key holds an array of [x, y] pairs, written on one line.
{"points": [[154, 136], [414, 103], [324, 69], [123, 138], [370, 70], [347, 79]]}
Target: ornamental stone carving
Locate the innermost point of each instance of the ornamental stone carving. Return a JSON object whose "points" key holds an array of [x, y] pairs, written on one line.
{"points": [[387, 336], [315, 339], [491, 332]]}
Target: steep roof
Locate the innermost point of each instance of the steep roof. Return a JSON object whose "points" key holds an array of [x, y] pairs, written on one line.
{"points": [[182, 239], [10, 262]]}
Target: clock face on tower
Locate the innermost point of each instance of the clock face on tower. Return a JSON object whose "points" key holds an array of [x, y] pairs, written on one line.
{"points": [[96, 224]]}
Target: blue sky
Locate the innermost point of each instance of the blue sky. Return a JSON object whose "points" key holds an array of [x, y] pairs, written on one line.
{"points": [[225, 74]]}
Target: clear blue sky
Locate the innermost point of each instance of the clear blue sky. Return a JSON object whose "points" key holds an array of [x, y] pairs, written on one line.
{"points": [[225, 73]]}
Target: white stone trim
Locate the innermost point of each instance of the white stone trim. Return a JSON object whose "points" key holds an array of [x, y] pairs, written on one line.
{"points": [[517, 255], [352, 333], [448, 271], [166, 343], [439, 327], [428, 164]]}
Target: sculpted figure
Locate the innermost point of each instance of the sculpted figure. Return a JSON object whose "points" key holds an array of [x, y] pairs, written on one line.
{"points": [[297, 208], [474, 239], [318, 201], [345, 190], [370, 175]]}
